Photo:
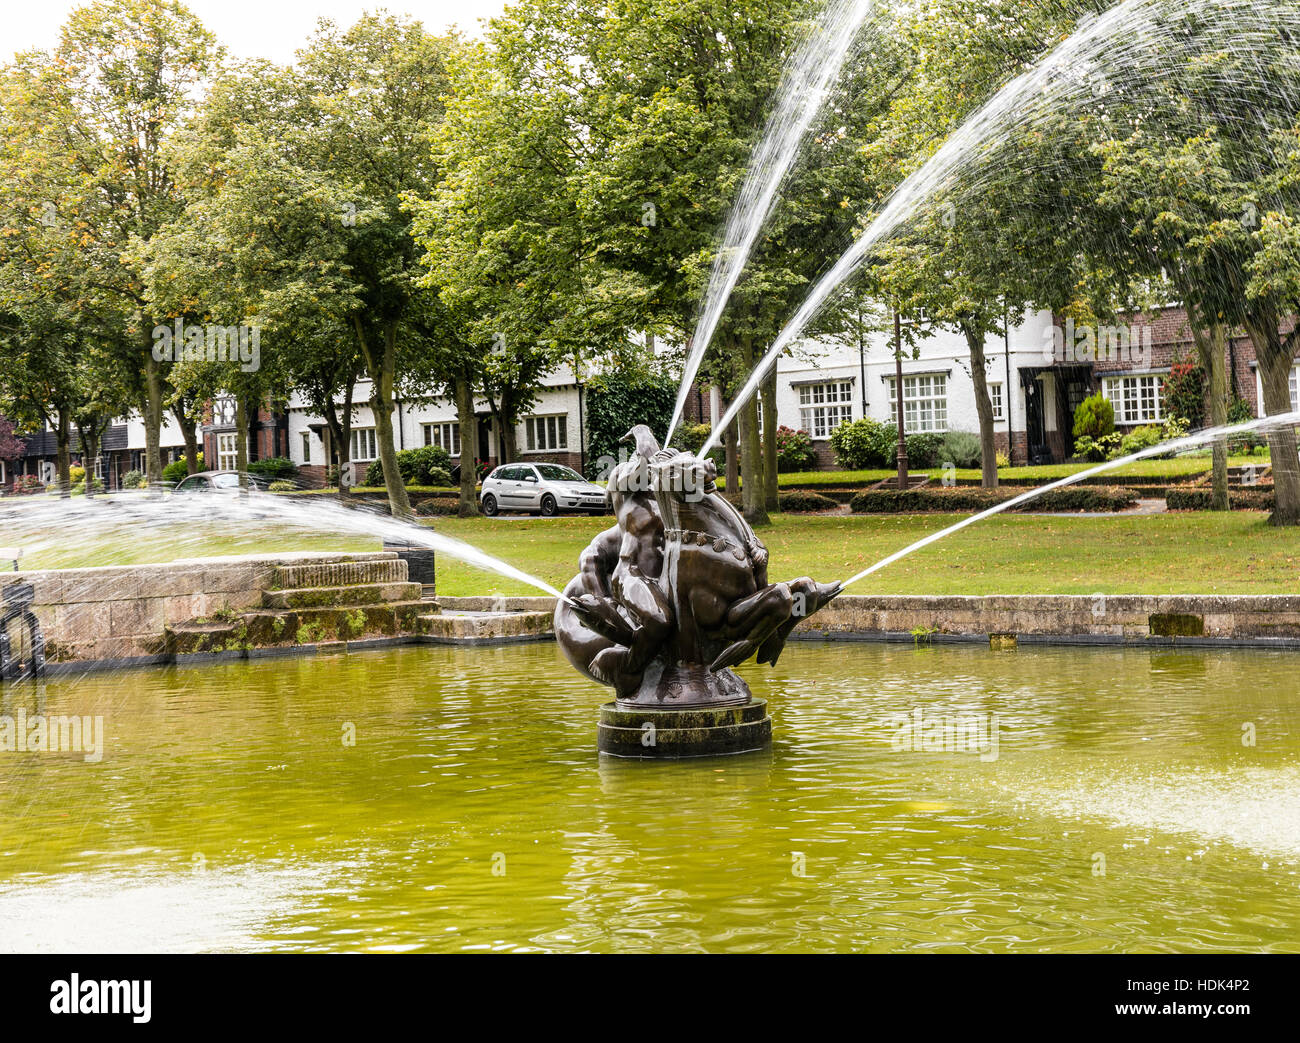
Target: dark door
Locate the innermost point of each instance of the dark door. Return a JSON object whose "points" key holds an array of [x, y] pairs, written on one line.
{"points": [[1035, 433]]}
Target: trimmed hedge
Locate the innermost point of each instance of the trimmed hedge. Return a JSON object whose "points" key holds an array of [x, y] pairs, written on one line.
{"points": [[960, 500], [438, 505], [1238, 500], [802, 502]]}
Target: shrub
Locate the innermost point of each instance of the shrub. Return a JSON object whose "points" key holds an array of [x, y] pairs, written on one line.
{"points": [[794, 450], [27, 484], [283, 487], [969, 499], [176, 471], [804, 501], [959, 448], [416, 466], [1183, 391], [1095, 417], [864, 444], [438, 477], [1138, 439], [133, 480], [922, 449], [77, 474], [1240, 412], [1003, 460], [277, 468], [692, 437], [438, 505]]}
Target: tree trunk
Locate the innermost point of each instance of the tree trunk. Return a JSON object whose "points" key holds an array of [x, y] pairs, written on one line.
{"points": [[983, 409], [731, 440], [382, 370], [153, 416], [468, 505], [189, 431], [89, 436], [63, 452], [753, 482], [1275, 363], [1210, 345], [772, 497], [507, 435], [241, 443]]}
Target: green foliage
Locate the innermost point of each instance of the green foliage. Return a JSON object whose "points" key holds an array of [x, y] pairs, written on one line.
{"points": [[868, 443], [615, 408], [962, 499], [923, 449], [438, 506], [1240, 412], [805, 501], [274, 468], [177, 471], [1184, 392], [1094, 418], [691, 437], [864, 444], [282, 487], [959, 448], [77, 474], [794, 450], [133, 480], [1202, 499], [429, 465]]}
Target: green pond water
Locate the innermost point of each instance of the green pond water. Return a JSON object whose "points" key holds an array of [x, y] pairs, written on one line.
{"points": [[1122, 811]]}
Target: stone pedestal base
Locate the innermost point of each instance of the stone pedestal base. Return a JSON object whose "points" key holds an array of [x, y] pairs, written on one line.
{"points": [[702, 731]]}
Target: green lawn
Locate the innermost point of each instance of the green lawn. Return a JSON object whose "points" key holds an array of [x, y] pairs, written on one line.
{"points": [[1234, 553], [1012, 554], [1178, 468]]}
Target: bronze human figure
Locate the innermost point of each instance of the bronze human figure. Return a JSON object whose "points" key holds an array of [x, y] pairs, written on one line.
{"points": [[676, 593]]}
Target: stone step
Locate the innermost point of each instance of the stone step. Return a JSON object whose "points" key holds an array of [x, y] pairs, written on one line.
{"points": [[309, 626], [338, 574], [475, 627], [341, 597]]}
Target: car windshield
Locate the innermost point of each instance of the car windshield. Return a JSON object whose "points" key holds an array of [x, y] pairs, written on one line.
{"points": [[556, 473]]}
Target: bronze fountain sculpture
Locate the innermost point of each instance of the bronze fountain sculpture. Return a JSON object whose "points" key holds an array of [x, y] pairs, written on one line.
{"points": [[668, 601]]}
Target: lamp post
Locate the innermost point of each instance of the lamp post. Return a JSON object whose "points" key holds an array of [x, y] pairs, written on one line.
{"points": [[898, 394]]}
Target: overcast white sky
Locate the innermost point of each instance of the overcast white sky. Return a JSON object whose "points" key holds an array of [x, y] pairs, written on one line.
{"points": [[271, 29]]}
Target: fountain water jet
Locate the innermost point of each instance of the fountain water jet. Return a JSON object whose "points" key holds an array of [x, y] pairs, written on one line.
{"points": [[1175, 445], [1125, 36], [804, 87]]}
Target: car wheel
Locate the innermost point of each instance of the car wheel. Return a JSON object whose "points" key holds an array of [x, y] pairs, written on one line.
{"points": [[549, 507], [490, 507]]}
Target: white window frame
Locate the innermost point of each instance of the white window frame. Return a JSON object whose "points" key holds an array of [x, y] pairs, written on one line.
{"points": [[227, 452], [306, 447], [1295, 389], [997, 399], [445, 434], [546, 434], [1137, 398], [925, 402], [364, 438], [824, 406]]}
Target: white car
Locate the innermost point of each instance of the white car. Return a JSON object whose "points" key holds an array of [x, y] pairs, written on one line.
{"points": [[539, 488]]}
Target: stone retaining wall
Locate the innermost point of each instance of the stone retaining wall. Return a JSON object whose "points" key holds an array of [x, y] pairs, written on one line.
{"points": [[1099, 617], [119, 612]]}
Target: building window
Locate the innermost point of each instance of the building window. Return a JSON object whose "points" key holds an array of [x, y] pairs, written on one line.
{"points": [[547, 433], [364, 444], [925, 402], [995, 396], [444, 436], [306, 447], [824, 407], [1136, 399], [223, 411], [1295, 387], [227, 453]]}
